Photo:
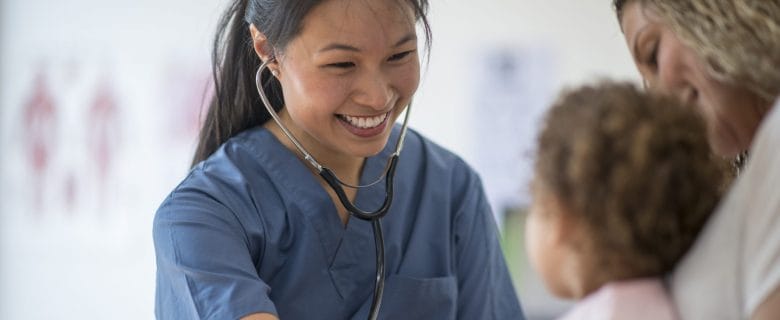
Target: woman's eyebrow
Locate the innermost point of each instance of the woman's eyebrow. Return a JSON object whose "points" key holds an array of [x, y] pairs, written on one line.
{"points": [[409, 37], [341, 46]]}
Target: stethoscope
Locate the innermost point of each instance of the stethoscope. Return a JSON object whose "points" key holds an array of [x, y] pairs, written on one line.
{"points": [[336, 184]]}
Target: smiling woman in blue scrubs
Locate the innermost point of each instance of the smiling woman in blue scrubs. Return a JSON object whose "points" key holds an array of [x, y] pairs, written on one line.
{"points": [[253, 233]]}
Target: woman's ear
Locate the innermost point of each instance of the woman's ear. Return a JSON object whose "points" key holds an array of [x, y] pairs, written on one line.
{"points": [[260, 44], [263, 50]]}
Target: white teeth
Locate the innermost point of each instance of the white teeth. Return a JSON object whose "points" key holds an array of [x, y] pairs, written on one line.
{"points": [[365, 122]]}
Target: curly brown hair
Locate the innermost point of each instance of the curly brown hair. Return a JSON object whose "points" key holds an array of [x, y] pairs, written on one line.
{"points": [[636, 168]]}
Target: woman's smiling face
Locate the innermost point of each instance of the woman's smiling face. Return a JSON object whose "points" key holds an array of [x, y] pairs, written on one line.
{"points": [[732, 112], [348, 75]]}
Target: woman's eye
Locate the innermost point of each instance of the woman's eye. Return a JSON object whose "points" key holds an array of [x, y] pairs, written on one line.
{"points": [[652, 58], [341, 65], [399, 56]]}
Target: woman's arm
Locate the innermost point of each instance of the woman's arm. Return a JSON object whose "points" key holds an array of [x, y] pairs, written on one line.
{"points": [[485, 289], [205, 261], [260, 316], [770, 308]]}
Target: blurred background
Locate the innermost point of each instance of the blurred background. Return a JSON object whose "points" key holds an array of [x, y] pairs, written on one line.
{"points": [[100, 103]]}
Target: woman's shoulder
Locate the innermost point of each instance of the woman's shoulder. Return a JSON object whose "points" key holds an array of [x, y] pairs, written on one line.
{"points": [[434, 155], [740, 239], [430, 161], [225, 175], [771, 125]]}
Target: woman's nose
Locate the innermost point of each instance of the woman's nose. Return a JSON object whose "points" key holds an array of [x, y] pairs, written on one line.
{"points": [[676, 78], [374, 91], [680, 88]]}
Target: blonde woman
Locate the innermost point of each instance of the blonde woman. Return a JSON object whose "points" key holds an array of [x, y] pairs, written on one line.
{"points": [[723, 58]]}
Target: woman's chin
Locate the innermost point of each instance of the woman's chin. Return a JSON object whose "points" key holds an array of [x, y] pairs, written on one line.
{"points": [[368, 151], [727, 149]]}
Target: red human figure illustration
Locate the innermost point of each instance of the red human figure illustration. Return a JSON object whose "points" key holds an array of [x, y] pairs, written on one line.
{"points": [[103, 137], [40, 120]]}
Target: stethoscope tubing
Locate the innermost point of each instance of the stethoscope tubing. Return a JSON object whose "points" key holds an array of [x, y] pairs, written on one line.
{"points": [[332, 180]]}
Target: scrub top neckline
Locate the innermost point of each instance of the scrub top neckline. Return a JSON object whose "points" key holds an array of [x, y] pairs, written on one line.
{"points": [[301, 188]]}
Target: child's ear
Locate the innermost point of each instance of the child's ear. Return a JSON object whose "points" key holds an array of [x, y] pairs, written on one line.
{"points": [[565, 227], [555, 215]]}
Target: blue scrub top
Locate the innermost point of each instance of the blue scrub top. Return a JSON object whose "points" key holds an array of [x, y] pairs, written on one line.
{"points": [[252, 230]]}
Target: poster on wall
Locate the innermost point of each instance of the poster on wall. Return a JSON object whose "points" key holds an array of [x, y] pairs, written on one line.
{"points": [[99, 115], [68, 133], [78, 128], [91, 148], [513, 88]]}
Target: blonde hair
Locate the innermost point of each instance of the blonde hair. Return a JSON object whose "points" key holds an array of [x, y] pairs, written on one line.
{"points": [[738, 39]]}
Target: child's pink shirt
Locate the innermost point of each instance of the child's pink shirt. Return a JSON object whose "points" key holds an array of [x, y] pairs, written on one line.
{"points": [[632, 299]]}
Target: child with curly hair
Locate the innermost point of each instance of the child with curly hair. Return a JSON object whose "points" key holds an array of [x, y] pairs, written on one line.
{"points": [[624, 181]]}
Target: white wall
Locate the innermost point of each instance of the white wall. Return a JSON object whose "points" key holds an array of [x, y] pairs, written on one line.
{"points": [[583, 33], [75, 239]]}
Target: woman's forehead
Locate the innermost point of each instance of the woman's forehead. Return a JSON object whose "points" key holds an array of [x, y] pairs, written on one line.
{"points": [[635, 17], [358, 22]]}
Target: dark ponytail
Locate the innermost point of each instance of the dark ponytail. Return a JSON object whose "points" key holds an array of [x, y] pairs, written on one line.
{"points": [[236, 105]]}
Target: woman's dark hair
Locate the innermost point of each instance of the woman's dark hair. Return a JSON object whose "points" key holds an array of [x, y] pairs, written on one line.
{"points": [[236, 105]]}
